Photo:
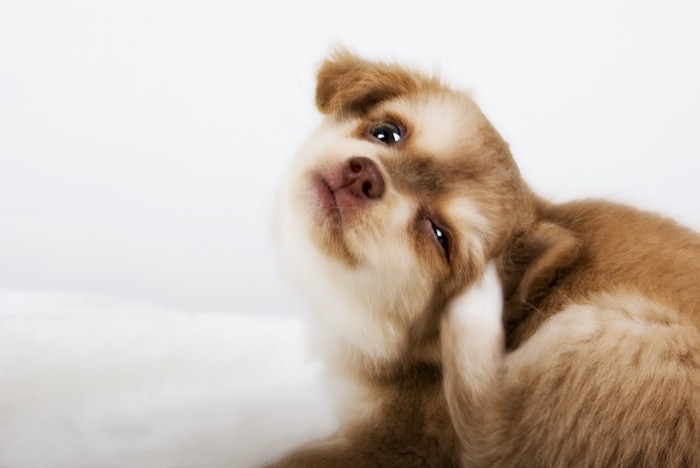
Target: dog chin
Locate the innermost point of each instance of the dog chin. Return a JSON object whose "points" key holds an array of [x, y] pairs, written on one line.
{"points": [[345, 325], [357, 316]]}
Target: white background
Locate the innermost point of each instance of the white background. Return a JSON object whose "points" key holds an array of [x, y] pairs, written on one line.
{"points": [[141, 144]]}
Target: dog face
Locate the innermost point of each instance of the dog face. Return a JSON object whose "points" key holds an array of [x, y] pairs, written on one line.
{"points": [[394, 204]]}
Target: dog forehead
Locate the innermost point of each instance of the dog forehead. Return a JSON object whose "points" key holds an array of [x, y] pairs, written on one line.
{"points": [[442, 124]]}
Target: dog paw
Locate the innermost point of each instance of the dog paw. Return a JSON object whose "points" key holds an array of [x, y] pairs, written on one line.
{"points": [[478, 309]]}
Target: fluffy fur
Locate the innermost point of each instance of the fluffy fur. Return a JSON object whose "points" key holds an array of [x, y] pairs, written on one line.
{"points": [[537, 335]]}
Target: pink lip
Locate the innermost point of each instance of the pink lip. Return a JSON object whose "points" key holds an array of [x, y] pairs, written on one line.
{"points": [[325, 198]]}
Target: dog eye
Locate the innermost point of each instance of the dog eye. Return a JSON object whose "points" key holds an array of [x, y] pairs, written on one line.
{"points": [[387, 132], [441, 237]]}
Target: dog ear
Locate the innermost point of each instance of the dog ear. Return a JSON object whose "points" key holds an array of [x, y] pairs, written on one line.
{"points": [[347, 84], [533, 261]]}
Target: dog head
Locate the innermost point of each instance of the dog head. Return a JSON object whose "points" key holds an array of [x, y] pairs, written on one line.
{"points": [[396, 202]]}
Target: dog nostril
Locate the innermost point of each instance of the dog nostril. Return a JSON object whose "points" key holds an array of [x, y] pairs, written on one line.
{"points": [[367, 189], [355, 165], [362, 178]]}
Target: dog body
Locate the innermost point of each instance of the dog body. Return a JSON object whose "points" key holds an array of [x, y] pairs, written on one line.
{"points": [[466, 321], [604, 371]]}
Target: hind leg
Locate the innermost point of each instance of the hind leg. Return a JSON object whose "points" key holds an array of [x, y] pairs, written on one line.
{"points": [[472, 341], [613, 382]]}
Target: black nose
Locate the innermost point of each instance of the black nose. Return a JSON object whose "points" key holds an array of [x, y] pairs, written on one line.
{"points": [[362, 178]]}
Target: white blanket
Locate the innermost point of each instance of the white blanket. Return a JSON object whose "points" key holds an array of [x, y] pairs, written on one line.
{"points": [[88, 382]]}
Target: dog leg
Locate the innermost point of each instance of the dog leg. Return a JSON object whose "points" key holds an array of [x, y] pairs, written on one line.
{"points": [[331, 453], [472, 339], [372, 449]]}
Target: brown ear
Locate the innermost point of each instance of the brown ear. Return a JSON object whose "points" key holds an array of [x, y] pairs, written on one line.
{"points": [[347, 84], [533, 261]]}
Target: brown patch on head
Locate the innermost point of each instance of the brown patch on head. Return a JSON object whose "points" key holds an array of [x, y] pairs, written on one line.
{"points": [[347, 84]]}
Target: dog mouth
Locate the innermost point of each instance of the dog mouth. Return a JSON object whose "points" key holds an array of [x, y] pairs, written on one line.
{"points": [[328, 230], [326, 201]]}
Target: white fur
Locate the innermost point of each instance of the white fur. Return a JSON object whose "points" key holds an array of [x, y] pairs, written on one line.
{"points": [[473, 227], [441, 123], [477, 311], [353, 306]]}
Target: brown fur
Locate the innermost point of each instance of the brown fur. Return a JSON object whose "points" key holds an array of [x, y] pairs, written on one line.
{"points": [[347, 84], [622, 249], [625, 393]]}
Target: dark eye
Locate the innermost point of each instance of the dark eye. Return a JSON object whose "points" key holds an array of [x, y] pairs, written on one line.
{"points": [[441, 237], [387, 132]]}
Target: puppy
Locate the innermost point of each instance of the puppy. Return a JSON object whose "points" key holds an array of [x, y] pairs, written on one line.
{"points": [[466, 321]]}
